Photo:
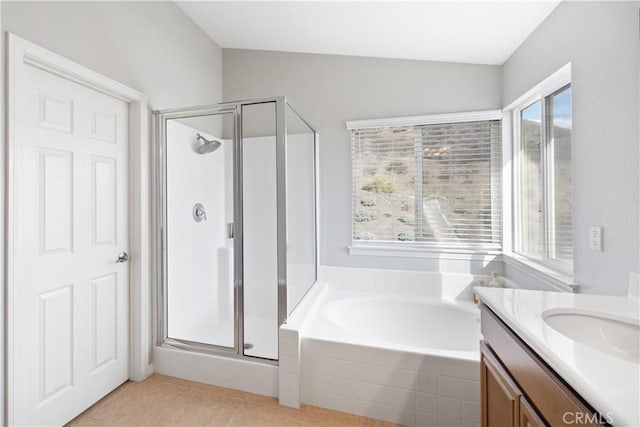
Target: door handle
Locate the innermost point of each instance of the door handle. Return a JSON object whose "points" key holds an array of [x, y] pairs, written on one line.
{"points": [[123, 257]]}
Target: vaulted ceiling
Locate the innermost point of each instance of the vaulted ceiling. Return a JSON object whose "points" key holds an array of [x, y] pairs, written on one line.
{"points": [[480, 32]]}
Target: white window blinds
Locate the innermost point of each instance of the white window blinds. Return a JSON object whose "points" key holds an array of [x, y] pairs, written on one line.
{"points": [[434, 183]]}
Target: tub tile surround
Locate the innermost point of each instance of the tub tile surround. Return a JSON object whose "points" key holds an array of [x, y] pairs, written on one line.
{"points": [[392, 385], [289, 348], [451, 286], [289, 368], [395, 386]]}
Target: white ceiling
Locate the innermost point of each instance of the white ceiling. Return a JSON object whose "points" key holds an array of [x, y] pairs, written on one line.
{"points": [[479, 32]]}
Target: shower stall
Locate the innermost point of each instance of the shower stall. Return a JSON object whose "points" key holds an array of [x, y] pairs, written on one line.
{"points": [[237, 224]]}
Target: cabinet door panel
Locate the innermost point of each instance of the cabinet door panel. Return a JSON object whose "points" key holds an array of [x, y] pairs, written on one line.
{"points": [[528, 416], [500, 395]]}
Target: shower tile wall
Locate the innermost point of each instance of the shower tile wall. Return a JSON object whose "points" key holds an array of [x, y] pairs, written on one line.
{"points": [[260, 250], [260, 236], [200, 256]]}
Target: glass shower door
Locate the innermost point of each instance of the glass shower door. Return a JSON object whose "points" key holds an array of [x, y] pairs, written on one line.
{"points": [[198, 227], [301, 208]]}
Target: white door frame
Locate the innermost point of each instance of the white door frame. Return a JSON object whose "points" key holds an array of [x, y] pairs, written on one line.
{"points": [[19, 51]]}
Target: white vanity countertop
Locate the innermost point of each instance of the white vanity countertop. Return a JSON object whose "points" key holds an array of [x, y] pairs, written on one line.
{"points": [[610, 384]]}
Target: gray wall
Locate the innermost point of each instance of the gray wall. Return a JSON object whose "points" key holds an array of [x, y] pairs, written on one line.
{"points": [[600, 39], [329, 90], [153, 47], [140, 44]]}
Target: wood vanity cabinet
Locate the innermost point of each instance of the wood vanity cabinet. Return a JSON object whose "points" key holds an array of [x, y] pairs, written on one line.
{"points": [[519, 389]]}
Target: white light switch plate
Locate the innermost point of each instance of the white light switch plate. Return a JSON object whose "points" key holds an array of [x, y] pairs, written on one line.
{"points": [[595, 239]]}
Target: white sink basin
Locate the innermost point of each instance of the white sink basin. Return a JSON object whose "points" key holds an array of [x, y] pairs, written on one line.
{"points": [[617, 336]]}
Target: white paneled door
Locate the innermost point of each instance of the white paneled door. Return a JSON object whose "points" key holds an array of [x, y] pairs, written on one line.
{"points": [[70, 300]]}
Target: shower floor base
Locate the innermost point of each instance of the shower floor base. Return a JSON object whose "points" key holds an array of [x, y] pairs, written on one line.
{"points": [[260, 333]]}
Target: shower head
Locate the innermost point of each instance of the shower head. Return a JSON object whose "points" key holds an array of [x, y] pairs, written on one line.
{"points": [[208, 145]]}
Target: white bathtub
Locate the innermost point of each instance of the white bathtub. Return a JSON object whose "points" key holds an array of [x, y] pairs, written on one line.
{"points": [[409, 323], [410, 358]]}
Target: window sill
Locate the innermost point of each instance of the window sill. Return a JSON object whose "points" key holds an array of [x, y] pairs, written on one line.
{"points": [[554, 279], [464, 254], [548, 276]]}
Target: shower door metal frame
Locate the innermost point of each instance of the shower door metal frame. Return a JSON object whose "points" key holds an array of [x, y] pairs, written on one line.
{"points": [[160, 164], [160, 145]]}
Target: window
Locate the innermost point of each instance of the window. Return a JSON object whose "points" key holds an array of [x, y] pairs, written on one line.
{"points": [[432, 181], [543, 187]]}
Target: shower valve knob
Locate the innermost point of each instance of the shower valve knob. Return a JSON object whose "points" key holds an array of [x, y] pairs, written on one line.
{"points": [[199, 214]]}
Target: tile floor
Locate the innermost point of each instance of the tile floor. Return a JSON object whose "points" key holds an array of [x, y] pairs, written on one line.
{"points": [[168, 401]]}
